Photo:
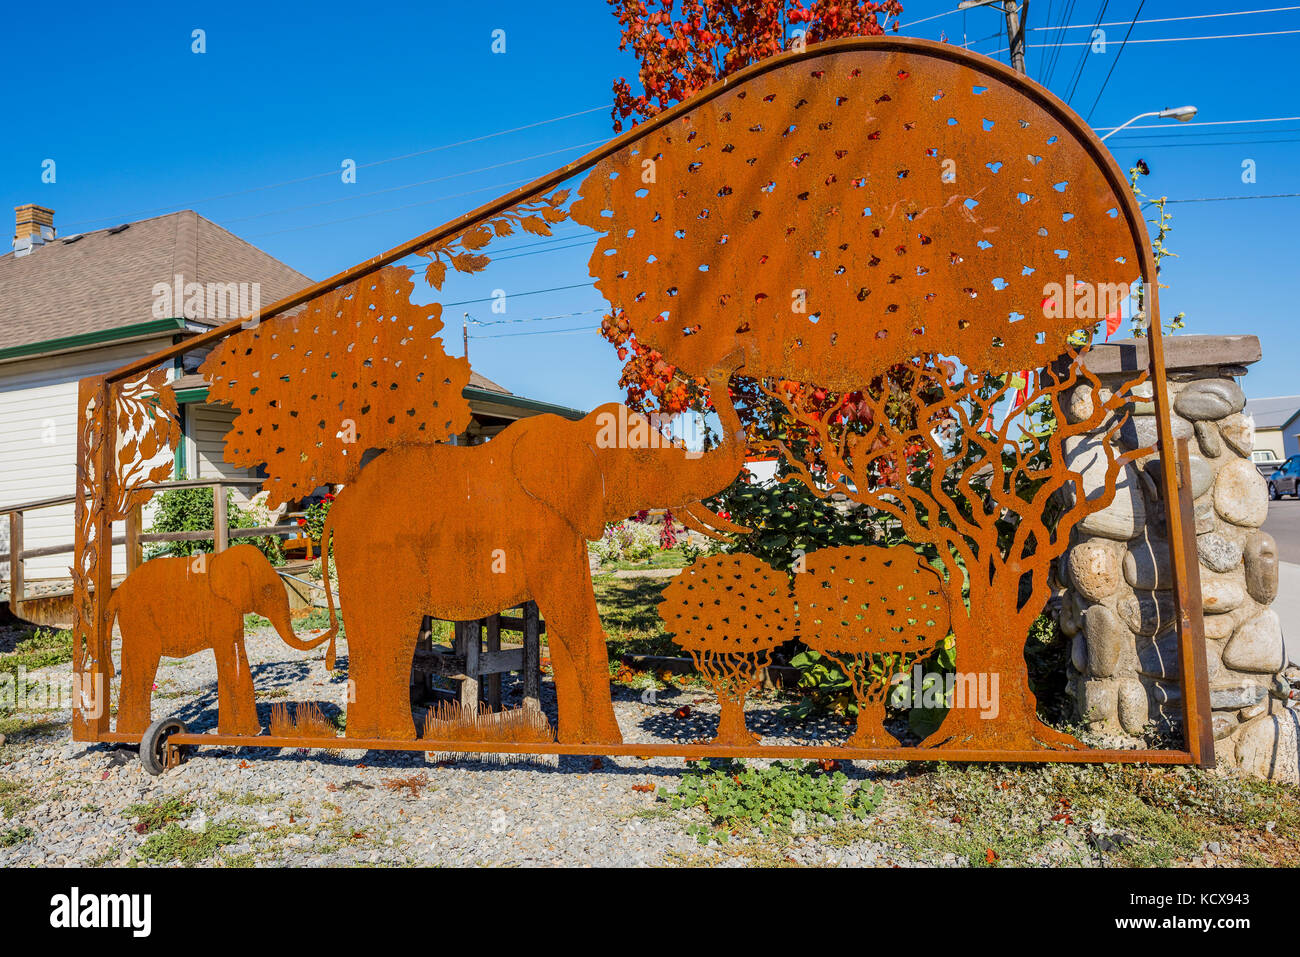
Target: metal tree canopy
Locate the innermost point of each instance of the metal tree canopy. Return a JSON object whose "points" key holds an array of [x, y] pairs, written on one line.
{"points": [[863, 211]]}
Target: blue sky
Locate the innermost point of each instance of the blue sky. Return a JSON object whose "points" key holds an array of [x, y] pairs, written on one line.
{"points": [[138, 125]]}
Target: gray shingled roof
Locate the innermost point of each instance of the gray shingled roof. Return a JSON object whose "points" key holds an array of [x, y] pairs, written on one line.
{"points": [[1273, 412], [104, 280]]}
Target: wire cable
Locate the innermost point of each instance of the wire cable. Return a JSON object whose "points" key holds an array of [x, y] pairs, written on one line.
{"points": [[1115, 62], [124, 217], [1198, 16]]}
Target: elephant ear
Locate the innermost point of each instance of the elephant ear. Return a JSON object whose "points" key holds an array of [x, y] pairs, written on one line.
{"points": [[555, 463], [231, 577]]}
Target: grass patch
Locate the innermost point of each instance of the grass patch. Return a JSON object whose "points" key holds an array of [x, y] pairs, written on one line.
{"points": [[245, 798], [15, 835], [1119, 815], [628, 613], [177, 844], [151, 817], [42, 650], [14, 798], [660, 558], [17, 729], [783, 798]]}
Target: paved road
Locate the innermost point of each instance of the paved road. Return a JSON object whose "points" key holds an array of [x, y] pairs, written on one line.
{"points": [[1283, 523]]}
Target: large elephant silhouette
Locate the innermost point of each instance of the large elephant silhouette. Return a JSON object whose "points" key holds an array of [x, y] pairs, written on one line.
{"points": [[460, 532], [180, 606]]}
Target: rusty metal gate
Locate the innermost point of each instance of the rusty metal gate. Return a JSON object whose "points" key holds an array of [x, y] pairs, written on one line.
{"points": [[874, 220]]}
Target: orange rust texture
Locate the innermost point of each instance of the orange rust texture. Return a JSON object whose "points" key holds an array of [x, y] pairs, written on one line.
{"points": [[462, 532], [356, 369], [827, 220], [967, 477], [873, 611], [177, 607], [912, 203], [727, 612]]}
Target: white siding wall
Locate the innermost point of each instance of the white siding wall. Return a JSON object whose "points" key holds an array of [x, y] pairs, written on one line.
{"points": [[38, 452], [207, 426], [1270, 439]]}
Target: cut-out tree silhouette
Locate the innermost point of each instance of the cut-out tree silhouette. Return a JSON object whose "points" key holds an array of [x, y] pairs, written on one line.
{"points": [[355, 369], [882, 239], [727, 612], [873, 611]]}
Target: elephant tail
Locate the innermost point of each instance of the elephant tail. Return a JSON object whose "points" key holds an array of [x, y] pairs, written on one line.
{"points": [[327, 534]]}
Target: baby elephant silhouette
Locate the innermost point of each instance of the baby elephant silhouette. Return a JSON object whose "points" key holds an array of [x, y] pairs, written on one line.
{"points": [[180, 606]]}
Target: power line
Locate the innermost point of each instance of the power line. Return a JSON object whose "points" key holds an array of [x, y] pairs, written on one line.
{"points": [[1055, 47], [1223, 36], [1228, 199], [391, 209], [560, 315], [403, 186], [908, 26], [1115, 62], [1198, 16], [1083, 60], [122, 217], [552, 249], [1181, 136], [540, 332], [1234, 143], [1165, 126], [520, 295]]}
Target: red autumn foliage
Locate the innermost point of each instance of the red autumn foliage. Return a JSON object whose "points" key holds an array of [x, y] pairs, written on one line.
{"points": [[684, 46]]}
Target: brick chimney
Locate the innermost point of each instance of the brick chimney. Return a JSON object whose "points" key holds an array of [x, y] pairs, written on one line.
{"points": [[33, 226]]}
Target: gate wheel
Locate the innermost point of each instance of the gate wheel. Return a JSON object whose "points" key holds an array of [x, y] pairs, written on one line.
{"points": [[155, 754]]}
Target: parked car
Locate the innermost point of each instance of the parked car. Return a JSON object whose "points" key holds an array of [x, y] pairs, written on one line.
{"points": [[1286, 480], [1266, 461]]}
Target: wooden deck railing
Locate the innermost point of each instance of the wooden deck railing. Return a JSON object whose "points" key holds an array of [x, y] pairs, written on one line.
{"points": [[135, 538]]}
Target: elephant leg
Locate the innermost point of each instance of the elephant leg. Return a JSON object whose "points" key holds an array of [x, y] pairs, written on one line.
{"points": [[139, 666], [382, 632], [579, 656], [236, 701]]}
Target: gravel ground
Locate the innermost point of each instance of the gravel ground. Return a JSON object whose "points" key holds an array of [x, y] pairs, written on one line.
{"points": [[348, 807], [63, 803]]}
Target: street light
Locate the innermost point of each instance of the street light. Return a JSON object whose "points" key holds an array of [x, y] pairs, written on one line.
{"points": [[1180, 113]]}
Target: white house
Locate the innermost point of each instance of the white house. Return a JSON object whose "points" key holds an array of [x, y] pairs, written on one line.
{"points": [[87, 304], [1277, 426]]}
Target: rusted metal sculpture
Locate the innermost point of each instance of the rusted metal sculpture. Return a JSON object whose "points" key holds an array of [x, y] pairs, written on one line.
{"points": [[212, 594], [360, 368], [860, 208], [728, 611], [873, 611]]}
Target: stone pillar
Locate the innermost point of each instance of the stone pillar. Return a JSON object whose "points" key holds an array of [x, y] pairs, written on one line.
{"points": [[1117, 603]]}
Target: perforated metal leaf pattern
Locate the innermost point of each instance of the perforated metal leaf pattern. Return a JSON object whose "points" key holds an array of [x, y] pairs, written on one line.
{"points": [[357, 368], [864, 600], [915, 205], [729, 603]]}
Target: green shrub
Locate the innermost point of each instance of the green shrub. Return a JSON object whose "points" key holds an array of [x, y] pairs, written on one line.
{"points": [[781, 797], [628, 541], [190, 510]]}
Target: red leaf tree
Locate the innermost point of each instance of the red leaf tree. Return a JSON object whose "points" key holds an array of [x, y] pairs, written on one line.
{"points": [[684, 47]]}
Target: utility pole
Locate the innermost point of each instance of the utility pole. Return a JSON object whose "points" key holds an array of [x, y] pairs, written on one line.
{"points": [[1016, 17], [464, 328], [1015, 34]]}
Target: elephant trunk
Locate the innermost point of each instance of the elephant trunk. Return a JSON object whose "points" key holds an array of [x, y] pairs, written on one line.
{"points": [[707, 473], [276, 610]]}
